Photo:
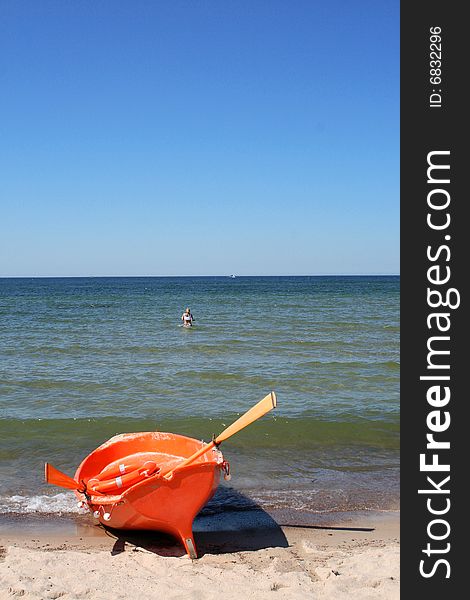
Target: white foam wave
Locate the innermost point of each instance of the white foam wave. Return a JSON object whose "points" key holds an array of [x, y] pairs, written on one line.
{"points": [[59, 503]]}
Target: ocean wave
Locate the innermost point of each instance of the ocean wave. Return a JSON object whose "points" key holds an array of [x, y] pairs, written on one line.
{"points": [[308, 430], [63, 503], [358, 364], [62, 384], [227, 499]]}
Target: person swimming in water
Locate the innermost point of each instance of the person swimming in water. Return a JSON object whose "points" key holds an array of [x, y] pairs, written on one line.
{"points": [[187, 318]]}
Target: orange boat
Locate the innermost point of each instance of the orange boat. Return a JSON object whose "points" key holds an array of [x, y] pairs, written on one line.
{"points": [[153, 480], [154, 502]]}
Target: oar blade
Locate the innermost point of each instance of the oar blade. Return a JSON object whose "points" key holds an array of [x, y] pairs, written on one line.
{"points": [[265, 405], [56, 477]]}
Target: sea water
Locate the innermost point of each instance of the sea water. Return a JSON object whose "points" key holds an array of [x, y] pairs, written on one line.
{"points": [[82, 359]]}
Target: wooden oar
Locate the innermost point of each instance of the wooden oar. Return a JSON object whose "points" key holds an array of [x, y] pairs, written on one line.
{"points": [[258, 410], [56, 477]]}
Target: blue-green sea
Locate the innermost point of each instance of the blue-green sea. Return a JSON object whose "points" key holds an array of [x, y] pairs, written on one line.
{"points": [[84, 358]]}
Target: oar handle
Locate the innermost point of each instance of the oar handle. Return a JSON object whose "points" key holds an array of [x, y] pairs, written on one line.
{"points": [[169, 474], [258, 410]]}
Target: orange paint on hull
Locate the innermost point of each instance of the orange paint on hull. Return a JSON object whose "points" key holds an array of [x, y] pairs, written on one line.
{"points": [[154, 503]]}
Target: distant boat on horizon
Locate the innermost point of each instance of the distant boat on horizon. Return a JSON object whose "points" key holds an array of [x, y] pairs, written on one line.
{"points": [[232, 276]]}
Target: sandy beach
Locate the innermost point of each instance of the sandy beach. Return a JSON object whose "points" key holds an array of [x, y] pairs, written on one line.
{"points": [[245, 555]]}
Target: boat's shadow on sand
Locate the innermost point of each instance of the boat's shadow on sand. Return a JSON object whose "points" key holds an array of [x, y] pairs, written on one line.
{"points": [[231, 522]]}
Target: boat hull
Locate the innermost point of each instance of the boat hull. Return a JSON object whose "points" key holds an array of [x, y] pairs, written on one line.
{"points": [[154, 503]]}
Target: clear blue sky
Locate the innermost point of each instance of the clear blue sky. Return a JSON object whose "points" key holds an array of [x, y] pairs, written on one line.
{"points": [[199, 137]]}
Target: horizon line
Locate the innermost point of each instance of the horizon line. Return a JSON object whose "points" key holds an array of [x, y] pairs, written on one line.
{"points": [[170, 276]]}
